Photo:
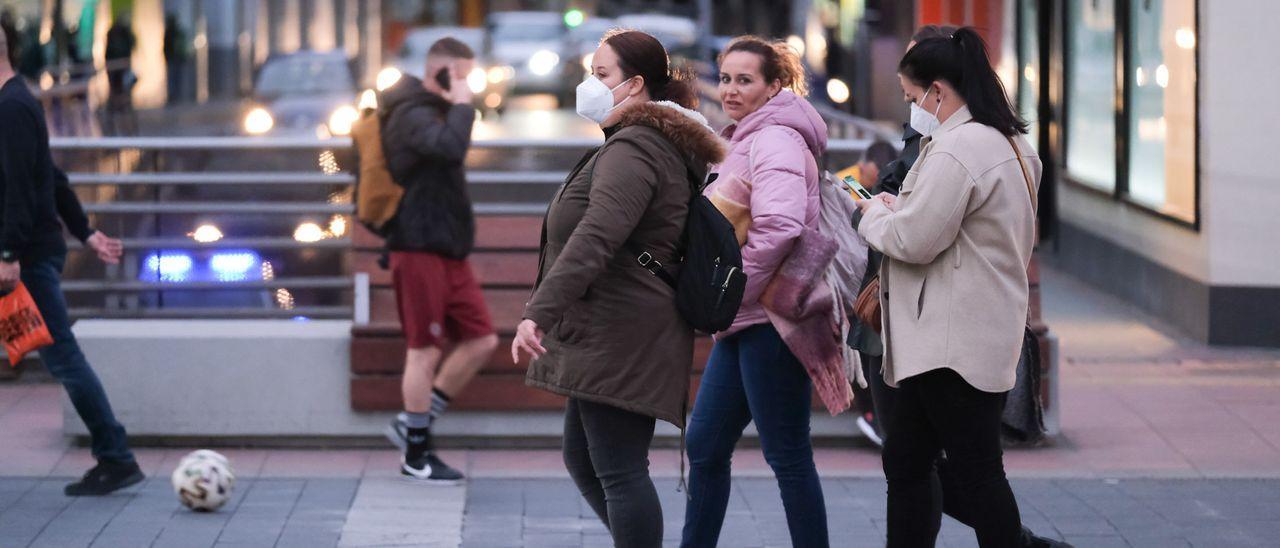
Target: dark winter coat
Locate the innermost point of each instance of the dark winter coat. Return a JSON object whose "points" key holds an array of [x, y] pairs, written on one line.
{"points": [[425, 140], [613, 334]]}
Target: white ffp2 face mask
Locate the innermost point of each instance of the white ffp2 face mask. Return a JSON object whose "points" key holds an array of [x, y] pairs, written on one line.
{"points": [[595, 99], [921, 120]]}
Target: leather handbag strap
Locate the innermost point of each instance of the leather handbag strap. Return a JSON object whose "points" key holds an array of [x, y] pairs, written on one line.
{"points": [[1026, 175]]}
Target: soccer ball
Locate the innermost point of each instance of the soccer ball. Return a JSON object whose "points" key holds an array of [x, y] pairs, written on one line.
{"points": [[203, 480]]}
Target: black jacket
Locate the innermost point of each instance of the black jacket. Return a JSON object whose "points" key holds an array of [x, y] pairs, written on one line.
{"points": [[861, 337], [425, 140], [33, 192], [896, 171]]}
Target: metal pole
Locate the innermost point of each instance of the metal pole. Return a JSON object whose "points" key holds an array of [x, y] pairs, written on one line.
{"points": [[705, 24]]}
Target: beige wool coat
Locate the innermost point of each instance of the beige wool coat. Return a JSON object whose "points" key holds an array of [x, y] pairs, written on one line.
{"points": [[957, 245]]}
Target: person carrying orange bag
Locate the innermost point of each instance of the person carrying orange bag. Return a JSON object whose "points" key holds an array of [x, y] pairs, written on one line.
{"points": [[35, 200], [21, 325]]}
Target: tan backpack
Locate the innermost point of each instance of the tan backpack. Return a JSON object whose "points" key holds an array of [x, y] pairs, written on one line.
{"points": [[377, 194]]}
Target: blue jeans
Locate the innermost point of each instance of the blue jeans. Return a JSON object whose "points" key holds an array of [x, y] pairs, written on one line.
{"points": [[67, 363], [753, 376]]}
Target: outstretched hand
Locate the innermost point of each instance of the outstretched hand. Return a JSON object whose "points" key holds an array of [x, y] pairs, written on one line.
{"points": [[529, 340], [108, 249]]}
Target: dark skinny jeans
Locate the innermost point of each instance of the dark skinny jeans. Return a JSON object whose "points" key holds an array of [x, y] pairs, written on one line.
{"points": [[606, 450], [65, 361]]}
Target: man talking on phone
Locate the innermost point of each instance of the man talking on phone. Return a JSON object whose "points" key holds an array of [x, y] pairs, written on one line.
{"points": [[34, 194], [426, 131]]}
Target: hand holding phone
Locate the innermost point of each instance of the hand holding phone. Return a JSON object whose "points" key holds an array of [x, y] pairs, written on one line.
{"points": [[859, 192], [458, 91], [443, 80]]}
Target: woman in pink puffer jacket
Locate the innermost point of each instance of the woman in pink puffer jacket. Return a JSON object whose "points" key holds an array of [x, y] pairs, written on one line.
{"points": [[751, 374]]}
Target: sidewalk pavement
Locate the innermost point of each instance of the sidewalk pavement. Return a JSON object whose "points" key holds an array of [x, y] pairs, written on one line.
{"points": [[1165, 443]]}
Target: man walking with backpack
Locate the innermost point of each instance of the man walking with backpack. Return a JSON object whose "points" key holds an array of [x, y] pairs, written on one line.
{"points": [[426, 131], [33, 196]]}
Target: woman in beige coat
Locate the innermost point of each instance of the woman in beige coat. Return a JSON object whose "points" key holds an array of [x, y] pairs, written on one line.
{"points": [[957, 242]]}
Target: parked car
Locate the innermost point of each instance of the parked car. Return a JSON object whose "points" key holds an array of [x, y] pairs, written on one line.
{"points": [[305, 93], [412, 58], [678, 34], [534, 44], [583, 41]]}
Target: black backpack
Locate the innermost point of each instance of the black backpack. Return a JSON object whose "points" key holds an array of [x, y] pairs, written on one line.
{"points": [[711, 281]]}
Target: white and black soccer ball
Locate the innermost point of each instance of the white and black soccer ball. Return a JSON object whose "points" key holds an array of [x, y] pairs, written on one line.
{"points": [[203, 480]]}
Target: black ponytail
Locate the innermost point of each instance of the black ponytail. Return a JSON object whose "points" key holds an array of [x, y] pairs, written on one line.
{"points": [[961, 60]]}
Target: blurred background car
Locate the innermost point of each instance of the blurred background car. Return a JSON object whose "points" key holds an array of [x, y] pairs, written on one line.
{"points": [[678, 34], [305, 93], [412, 58], [534, 44], [583, 41]]}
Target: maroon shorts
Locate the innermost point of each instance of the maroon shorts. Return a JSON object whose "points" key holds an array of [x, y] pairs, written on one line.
{"points": [[439, 299]]}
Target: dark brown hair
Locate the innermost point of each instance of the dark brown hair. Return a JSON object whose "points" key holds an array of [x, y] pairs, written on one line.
{"points": [[778, 61], [640, 54], [451, 47]]}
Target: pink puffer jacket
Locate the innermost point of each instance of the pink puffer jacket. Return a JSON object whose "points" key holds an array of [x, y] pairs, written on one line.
{"points": [[787, 135]]}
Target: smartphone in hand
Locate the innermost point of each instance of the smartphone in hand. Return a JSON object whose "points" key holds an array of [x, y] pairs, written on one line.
{"points": [[443, 78], [857, 188]]}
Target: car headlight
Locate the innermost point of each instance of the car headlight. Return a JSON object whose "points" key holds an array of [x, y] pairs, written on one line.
{"points": [[387, 77], [308, 232], [837, 90], [497, 74], [543, 62], [206, 234], [341, 120], [477, 79], [258, 121], [368, 100]]}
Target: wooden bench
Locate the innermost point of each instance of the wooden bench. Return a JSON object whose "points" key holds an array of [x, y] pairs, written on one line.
{"points": [[506, 261]]}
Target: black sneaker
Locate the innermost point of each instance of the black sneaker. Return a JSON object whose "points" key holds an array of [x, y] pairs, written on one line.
{"points": [[430, 469], [397, 433], [870, 428], [105, 478]]}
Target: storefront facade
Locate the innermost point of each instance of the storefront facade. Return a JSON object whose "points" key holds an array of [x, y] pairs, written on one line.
{"points": [[1152, 118]]}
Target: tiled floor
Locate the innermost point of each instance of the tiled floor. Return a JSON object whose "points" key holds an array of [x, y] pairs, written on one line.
{"points": [[1087, 513], [1154, 429]]}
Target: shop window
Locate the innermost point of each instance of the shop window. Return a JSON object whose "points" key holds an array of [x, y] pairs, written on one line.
{"points": [[1091, 93], [1162, 106], [1030, 70]]}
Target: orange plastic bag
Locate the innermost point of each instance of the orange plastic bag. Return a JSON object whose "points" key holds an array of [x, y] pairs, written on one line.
{"points": [[21, 325]]}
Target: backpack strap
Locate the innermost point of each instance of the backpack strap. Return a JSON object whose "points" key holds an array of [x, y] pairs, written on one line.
{"points": [[1026, 176], [647, 260]]}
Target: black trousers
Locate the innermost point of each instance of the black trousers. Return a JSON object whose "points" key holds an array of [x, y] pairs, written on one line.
{"points": [[606, 450], [884, 399], [937, 412]]}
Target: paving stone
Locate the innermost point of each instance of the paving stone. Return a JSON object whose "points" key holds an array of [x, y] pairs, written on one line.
{"points": [[549, 512]]}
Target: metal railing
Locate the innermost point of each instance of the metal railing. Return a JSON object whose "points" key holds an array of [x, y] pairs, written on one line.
{"points": [[129, 181]]}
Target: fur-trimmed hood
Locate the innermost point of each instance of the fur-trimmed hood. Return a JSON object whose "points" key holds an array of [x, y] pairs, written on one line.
{"points": [[687, 129]]}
